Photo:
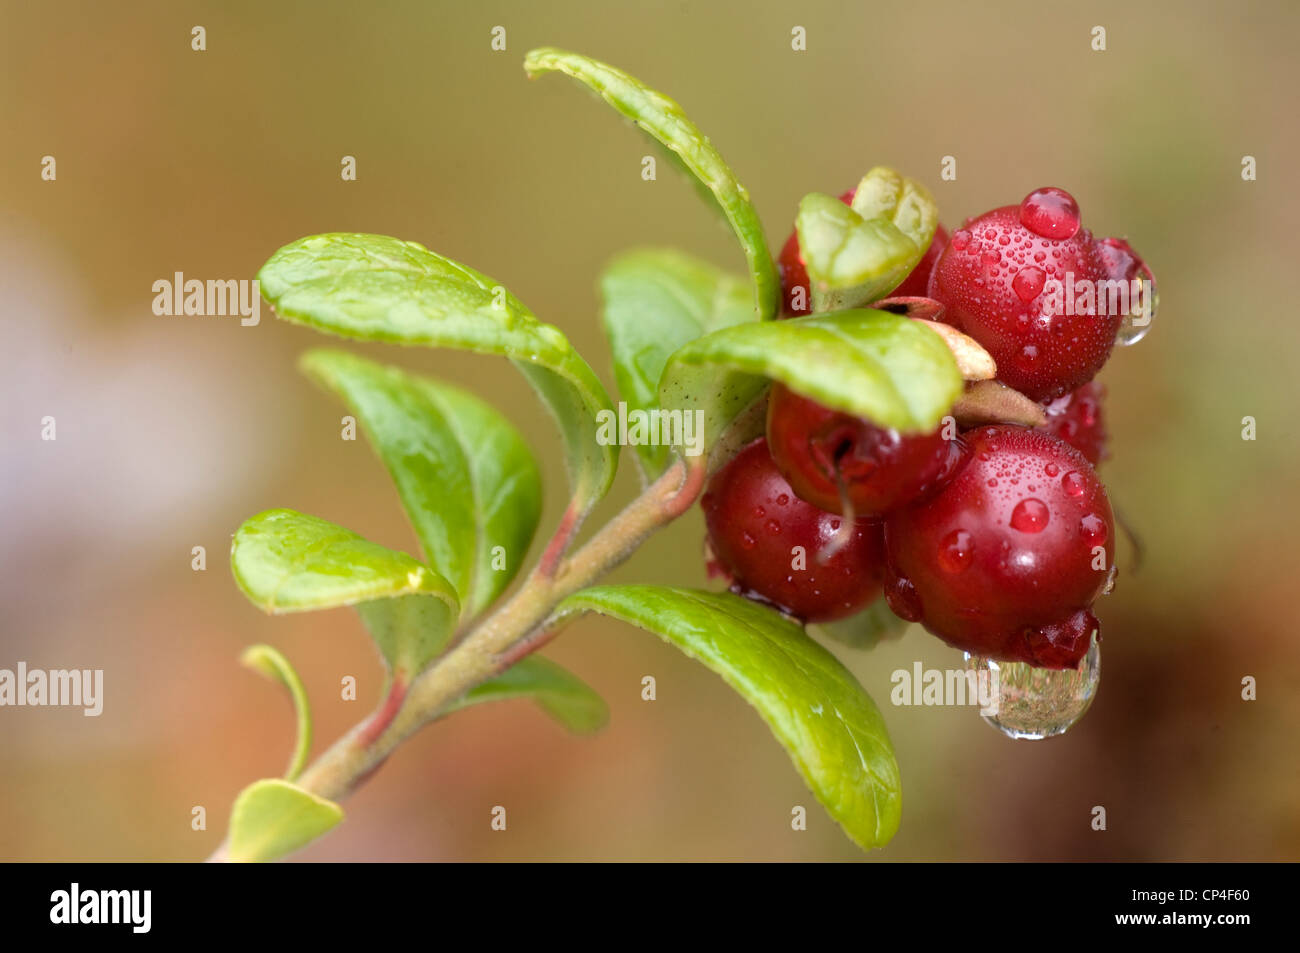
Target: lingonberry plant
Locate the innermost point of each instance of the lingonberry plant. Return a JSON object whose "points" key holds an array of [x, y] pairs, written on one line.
{"points": [[998, 538]]}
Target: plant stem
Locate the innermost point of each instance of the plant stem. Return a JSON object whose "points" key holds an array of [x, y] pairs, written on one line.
{"points": [[501, 639]]}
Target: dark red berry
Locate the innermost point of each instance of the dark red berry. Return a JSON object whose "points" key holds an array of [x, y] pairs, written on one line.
{"points": [[1011, 279], [755, 522], [1006, 560], [828, 456], [795, 290], [1077, 419]]}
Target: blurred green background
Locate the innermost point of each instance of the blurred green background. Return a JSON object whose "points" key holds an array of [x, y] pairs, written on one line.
{"points": [[172, 430]]}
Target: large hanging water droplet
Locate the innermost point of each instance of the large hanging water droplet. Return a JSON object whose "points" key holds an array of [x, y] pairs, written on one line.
{"points": [[1138, 321], [1034, 703]]}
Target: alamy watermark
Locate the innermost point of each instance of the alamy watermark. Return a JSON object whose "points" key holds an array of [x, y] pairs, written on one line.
{"points": [[1134, 298], [214, 297], [651, 428], [53, 688], [945, 687]]}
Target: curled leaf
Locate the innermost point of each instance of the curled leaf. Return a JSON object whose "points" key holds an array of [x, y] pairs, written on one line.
{"points": [[666, 122], [272, 663]]}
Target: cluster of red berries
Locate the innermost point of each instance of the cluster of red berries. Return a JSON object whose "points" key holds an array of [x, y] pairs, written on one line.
{"points": [[997, 539]]}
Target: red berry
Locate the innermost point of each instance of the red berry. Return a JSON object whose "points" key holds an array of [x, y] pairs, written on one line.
{"points": [[755, 521], [917, 284], [795, 276], [1077, 419], [1001, 561], [819, 451], [1011, 278]]}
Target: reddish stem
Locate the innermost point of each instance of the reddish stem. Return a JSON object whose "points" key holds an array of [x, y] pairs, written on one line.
{"points": [[382, 718]]}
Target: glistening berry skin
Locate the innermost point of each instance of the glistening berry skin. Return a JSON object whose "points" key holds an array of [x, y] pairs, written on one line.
{"points": [[820, 450], [996, 280], [1077, 419], [1001, 561], [794, 275], [755, 520]]}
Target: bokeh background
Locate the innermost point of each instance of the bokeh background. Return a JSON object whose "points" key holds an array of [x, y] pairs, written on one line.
{"points": [[173, 430]]}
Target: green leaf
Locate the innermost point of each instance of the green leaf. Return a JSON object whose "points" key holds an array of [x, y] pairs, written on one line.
{"points": [[271, 663], [466, 477], [375, 288], [558, 692], [656, 300], [886, 368], [272, 818], [814, 706], [664, 120], [858, 254], [865, 629], [286, 561]]}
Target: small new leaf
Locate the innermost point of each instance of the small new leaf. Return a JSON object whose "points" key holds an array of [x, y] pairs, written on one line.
{"points": [[286, 561], [558, 692], [859, 253], [814, 706], [664, 120], [272, 663], [272, 818]]}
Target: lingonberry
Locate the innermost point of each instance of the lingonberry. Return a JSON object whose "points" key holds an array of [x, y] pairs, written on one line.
{"points": [[832, 458], [795, 289], [1006, 560], [1017, 280], [1077, 419], [755, 522]]}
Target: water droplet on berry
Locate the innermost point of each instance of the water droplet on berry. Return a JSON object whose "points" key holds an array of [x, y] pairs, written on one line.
{"points": [[960, 239], [1051, 469], [1027, 357], [1138, 321], [773, 527], [1051, 213], [1028, 282], [747, 540], [991, 257], [1094, 528], [1033, 703], [903, 600], [956, 551], [783, 499], [759, 512], [1074, 483], [1030, 516]]}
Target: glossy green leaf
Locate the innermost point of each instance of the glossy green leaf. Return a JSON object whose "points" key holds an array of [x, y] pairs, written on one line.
{"points": [[664, 120], [656, 300], [375, 288], [466, 477], [814, 706], [858, 254], [272, 818], [886, 368], [558, 692], [270, 662], [286, 561], [865, 629]]}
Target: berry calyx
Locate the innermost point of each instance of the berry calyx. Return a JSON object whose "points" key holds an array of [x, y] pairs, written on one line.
{"points": [[1077, 419], [796, 290], [772, 544], [1007, 559], [1024, 281], [847, 465]]}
